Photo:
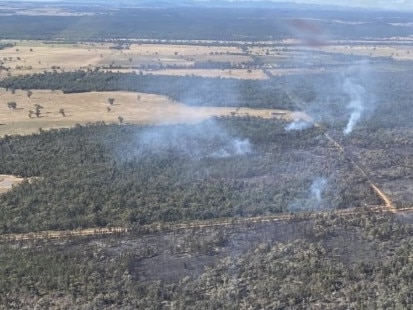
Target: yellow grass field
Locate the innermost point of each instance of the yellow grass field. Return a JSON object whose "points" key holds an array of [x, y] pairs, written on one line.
{"points": [[92, 107], [28, 57], [395, 52]]}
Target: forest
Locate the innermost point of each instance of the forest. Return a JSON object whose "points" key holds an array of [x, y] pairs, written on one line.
{"points": [[235, 212], [229, 167], [332, 262]]}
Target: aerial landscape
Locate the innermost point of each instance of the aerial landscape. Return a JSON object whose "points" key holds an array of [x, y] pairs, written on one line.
{"points": [[206, 155]]}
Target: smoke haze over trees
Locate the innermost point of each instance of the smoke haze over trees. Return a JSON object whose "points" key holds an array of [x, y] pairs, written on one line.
{"points": [[235, 212]]}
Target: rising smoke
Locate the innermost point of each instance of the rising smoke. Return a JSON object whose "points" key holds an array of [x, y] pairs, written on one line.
{"points": [[344, 97], [299, 125], [193, 141], [358, 86], [313, 200], [356, 104], [234, 147], [317, 188]]}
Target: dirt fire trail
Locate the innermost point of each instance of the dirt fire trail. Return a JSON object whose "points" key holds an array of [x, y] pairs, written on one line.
{"points": [[164, 227], [382, 196]]}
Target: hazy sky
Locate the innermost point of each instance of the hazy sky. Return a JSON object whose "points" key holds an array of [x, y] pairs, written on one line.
{"points": [[382, 4], [402, 5], [385, 4]]}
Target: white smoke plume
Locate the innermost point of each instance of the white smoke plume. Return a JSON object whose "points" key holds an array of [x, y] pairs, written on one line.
{"points": [[356, 104], [193, 141], [313, 201], [235, 147], [298, 125], [317, 188]]}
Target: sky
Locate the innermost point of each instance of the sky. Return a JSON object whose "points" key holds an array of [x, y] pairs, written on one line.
{"points": [[381, 4], [403, 5]]}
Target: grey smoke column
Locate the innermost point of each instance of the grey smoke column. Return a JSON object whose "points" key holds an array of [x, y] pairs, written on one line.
{"points": [[195, 141], [298, 125], [317, 188], [358, 96]]}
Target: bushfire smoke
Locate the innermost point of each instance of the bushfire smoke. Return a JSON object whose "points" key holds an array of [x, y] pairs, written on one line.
{"points": [[313, 200], [317, 188], [356, 104], [299, 125], [194, 141]]}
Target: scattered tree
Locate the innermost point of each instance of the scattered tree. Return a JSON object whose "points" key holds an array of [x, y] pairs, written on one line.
{"points": [[12, 105], [38, 109], [120, 119], [62, 111], [111, 101], [29, 93]]}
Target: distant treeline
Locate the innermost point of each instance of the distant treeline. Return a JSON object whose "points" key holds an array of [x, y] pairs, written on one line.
{"points": [[5, 45], [191, 23], [191, 90]]}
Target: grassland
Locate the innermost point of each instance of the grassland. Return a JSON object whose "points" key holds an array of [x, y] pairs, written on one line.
{"points": [[29, 57], [93, 107], [398, 52]]}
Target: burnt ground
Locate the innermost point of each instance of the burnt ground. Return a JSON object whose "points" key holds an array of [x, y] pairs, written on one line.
{"points": [[174, 255], [387, 158]]}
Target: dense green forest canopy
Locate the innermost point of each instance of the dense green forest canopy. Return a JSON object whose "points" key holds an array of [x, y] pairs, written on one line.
{"points": [[115, 175]]}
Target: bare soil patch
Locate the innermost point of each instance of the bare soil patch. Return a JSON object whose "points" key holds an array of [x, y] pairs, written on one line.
{"points": [[7, 182]]}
